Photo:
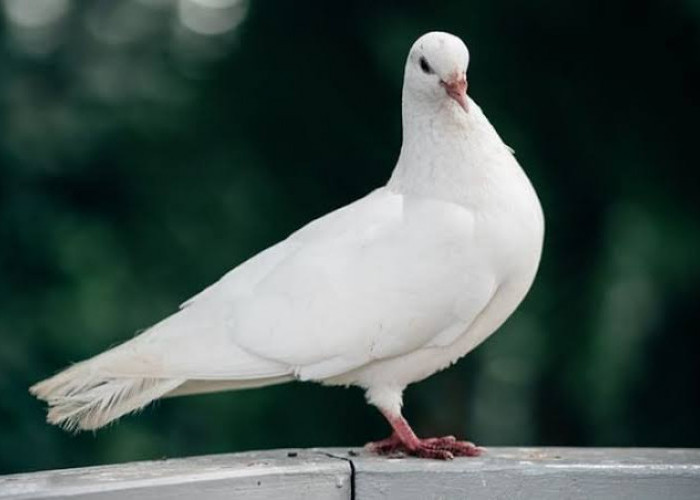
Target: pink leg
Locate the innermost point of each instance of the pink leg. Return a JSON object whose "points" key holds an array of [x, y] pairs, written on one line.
{"points": [[404, 441]]}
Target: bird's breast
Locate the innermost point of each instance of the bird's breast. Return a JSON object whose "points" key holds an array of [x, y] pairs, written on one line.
{"points": [[510, 227]]}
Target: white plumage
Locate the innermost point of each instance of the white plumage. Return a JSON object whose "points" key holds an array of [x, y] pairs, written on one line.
{"points": [[380, 293]]}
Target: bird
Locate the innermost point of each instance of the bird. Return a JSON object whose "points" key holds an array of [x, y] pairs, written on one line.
{"points": [[381, 293]]}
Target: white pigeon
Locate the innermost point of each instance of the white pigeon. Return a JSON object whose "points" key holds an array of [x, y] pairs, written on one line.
{"points": [[381, 293]]}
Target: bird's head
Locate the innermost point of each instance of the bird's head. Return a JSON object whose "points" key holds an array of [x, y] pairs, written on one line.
{"points": [[436, 69]]}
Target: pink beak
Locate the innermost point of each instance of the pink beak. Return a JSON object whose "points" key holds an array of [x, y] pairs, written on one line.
{"points": [[457, 90]]}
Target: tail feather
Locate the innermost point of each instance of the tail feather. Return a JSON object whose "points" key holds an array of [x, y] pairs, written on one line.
{"points": [[189, 352], [80, 399]]}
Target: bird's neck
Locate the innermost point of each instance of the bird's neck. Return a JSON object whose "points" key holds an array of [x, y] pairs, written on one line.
{"points": [[449, 154]]}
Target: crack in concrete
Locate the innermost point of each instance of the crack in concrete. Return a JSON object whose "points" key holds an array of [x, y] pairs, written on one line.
{"points": [[352, 470]]}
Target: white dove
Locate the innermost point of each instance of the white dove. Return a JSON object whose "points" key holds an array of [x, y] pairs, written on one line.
{"points": [[381, 293]]}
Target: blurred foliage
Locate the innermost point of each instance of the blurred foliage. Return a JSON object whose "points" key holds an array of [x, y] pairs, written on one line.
{"points": [[148, 146]]}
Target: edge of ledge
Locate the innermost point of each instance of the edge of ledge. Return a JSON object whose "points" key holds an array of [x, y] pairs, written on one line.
{"points": [[350, 473]]}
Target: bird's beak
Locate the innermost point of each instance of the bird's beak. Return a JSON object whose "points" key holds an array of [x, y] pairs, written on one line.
{"points": [[457, 90]]}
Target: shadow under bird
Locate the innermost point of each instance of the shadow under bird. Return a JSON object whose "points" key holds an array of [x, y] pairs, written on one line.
{"points": [[380, 294]]}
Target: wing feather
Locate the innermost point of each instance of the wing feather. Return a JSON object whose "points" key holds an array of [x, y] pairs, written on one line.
{"points": [[388, 276]]}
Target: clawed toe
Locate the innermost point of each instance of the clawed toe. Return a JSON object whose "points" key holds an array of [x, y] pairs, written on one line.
{"points": [[440, 448], [449, 447], [434, 453]]}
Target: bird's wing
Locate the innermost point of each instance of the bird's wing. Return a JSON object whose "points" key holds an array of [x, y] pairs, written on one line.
{"points": [[378, 278]]}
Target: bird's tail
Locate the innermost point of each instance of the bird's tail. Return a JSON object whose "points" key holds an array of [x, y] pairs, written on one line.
{"points": [[170, 358], [80, 398]]}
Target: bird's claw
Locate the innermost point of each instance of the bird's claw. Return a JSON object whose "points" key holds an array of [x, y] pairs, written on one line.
{"points": [[439, 448]]}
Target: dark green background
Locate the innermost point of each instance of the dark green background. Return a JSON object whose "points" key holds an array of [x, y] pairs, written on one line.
{"points": [[139, 161]]}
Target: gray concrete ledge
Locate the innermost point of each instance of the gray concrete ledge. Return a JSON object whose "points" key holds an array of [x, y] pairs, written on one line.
{"points": [[502, 473]]}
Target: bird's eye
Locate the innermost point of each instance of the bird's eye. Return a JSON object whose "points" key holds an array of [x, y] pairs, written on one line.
{"points": [[425, 66]]}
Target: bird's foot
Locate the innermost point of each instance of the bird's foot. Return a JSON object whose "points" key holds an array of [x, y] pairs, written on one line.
{"points": [[441, 448], [391, 446]]}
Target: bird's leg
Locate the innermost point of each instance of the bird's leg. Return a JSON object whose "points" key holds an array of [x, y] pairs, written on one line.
{"points": [[404, 441]]}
